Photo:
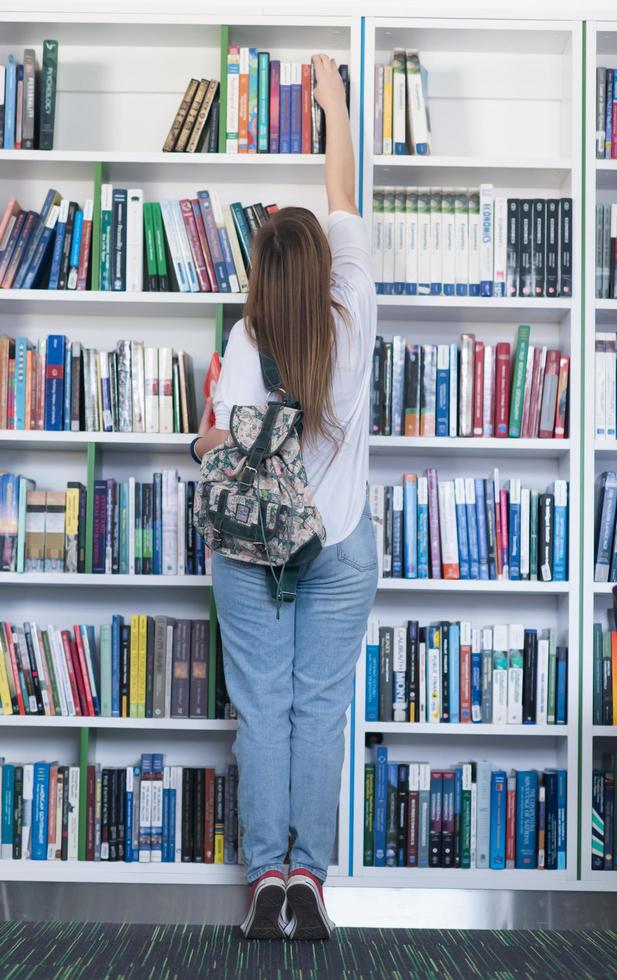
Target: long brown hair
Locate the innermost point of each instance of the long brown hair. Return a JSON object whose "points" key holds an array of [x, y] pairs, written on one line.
{"points": [[289, 313]]}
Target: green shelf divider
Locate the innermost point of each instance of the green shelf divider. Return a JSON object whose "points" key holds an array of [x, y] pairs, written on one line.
{"points": [[84, 758], [218, 328], [223, 90], [95, 255], [90, 477]]}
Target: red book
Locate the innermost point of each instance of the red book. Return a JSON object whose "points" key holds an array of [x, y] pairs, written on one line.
{"points": [[275, 104], [67, 643], [205, 248], [502, 390], [8, 642], [209, 817], [210, 381], [306, 108], [84, 248], [511, 822], [40, 400], [52, 813], [549, 395], [478, 389], [562, 397], [413, 805], [465, 673], [190, 224], [535, 394], [90, 812], [81, 660]]}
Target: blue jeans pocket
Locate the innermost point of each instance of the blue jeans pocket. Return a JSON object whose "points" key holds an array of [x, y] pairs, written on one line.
{"points": [[358, 549]]}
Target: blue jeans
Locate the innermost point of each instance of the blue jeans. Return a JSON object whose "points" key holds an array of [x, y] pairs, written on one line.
{"points": [[291, 681]]}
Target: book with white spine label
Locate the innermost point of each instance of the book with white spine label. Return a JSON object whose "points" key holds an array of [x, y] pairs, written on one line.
{"points": [[433, 684], [73, 812], [151, 380], [388, 239], [398, 102], [138, 385], [488, 390], [377, 242], [424, 242], [436, 241], [466, 384], [376, 502], [501, 246], [453, 396], [610, 367], [418, 121], [461, 242], [175, 249], [400, 245], [233, 99], [447, 527], [516, 638], [448, 236], [104, 381], [483, 829], [542, 683], [473, 211], [134, 240], [185, 246], [500, 675], [399, 664], [170, 522], [411, 241], [486, 239]]}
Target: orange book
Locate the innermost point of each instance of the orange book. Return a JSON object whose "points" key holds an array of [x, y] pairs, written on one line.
{"points": [[29, 387], [306, 108], [210, 380], [243, 102], [614, 673], [34, 390]]}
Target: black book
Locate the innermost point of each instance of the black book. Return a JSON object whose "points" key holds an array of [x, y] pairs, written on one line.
{"points": [[402, 804], [538, 243], [552, 246], [221, 695], [376, 387], [113, 814], [411, 422], [181, 670], [138, 529], [262, 215], [125, 669], [65, 257], [115, 529], [190, 530], [120, 776], [391, 824], [607, 691], [530, 667], [77, 390], [211, 129], [458, 812], [444, 629], [36, 681], [230, 841], [524, 248], [565, 246], [546, 532], [387, 531], [491, 527], [251, 220], [118, 239], [187, 814], [18, 811], [413, 692], [386, 389], [512, 269], [149, 664], [111, 498], [199, 814], [105, 821], [64, 839], [386, 642]]}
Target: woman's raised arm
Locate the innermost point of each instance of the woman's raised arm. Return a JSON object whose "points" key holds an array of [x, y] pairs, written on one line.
{"points": [[340, 164]]}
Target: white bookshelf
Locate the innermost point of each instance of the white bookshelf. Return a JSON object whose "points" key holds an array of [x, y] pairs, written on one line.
{"points": [[505, 104], [599, 455]]}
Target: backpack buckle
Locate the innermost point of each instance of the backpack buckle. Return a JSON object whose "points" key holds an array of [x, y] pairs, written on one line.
{"points": [[245, 482]]}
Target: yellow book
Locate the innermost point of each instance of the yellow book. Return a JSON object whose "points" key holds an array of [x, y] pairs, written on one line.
{"points": [[71, 530], [141, 672], [5, 691], [219, 844], [134, 669], [387, 109]]}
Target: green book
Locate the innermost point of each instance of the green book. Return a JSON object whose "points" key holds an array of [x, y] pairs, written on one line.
{"points": [[533, 536], [369, 814], [466, 818], [176, 395], [49, 663], [105, 669], [105, 237], [518, 382], [597, 673], [49, 76], [151, 269], [84, 751], [551, 709], [159, 247], [263, 106], [95, 257], [606, 679]]}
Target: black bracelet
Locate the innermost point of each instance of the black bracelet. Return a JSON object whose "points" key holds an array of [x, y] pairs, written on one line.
{"points": [[192, 449]]}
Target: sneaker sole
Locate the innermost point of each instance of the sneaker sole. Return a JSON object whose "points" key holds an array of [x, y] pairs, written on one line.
{"points": [[264, 918], [309, 918]]}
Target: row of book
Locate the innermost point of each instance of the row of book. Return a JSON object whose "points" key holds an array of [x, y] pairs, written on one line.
{"points": [[138, 528], [58, 384], [470, 528], [195, 128], [606, 251], [189, 245], [28, 100], [433, 241], [603, 822], [468, 816], [605, 385], [401, 121], [606, 113], [451, 672], [146, 813], [469, 389], [271, 106], [605, 674], [606, 528], [146, 667]]}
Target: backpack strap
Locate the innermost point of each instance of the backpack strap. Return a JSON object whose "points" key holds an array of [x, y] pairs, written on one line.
{"points": [[259, 448], [272, 380]]}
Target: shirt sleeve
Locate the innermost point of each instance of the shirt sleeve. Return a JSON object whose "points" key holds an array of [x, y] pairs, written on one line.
{"points": [[351, 253], [240, 382]]}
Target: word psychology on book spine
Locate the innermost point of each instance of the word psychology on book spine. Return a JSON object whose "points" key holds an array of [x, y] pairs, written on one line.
{"points": [[60, 385], [189, 245], [603, 823], [144, 667], [606, 529], [144, 813], [271, 105], [469, 816], [138, 528], [605, 673], [451, 672], [28, 100], [470, 528], [606, 251], [401, 123], [606, 113], [469, 389], [433, 241], [195, 128]]}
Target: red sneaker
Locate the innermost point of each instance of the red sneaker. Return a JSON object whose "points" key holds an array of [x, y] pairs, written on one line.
{"points": [[266, 915], [306, 909]]}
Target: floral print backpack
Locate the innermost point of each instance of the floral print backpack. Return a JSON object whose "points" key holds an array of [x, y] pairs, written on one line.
{"points": [[252, 502]]}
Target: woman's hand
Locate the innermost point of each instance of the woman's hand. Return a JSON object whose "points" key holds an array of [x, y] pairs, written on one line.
{"points": [[329, 89], [207, 419]]}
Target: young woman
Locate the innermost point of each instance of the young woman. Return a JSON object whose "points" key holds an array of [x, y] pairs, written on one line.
{"points": [[311, 304]]}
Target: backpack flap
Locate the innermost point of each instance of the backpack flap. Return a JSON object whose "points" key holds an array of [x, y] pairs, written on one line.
{"points": [[242, 515], [265, 427]]}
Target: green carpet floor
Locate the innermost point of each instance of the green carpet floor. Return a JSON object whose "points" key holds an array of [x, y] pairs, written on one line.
{"points": [[72, 951]]}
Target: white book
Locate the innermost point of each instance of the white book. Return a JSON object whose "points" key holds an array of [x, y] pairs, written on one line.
{"points": [[473, 849], [145, 819], [151, 381], [233, 100], [59, 667], [26, 811], [486, 239], [453, 393], [411, 238], [525, 507], [170, 522], [378, 112], [40, 666], [166, 390], [156, 815], [483, 830], [422, 680], [466, 384], [476, 647], [610, 367], [176, 782], [175, 250], [134, 240], [424, 812], [398, 105], [378, 232], [103, 356], [169, 655], [461, 242], [501, 246], [131, 525], [400, 243], [420, 136], [138, 385], [376, 501], [424, 241], [181, 527], [433, 684], [542, 683], [185, 247], [436, 240], [219, 220], [488, 392], [73, 812], [600, 386], [500, 675], [448, 271], [447, 529], [414, 777], [388, 239], [399, 664], [474, 242]]}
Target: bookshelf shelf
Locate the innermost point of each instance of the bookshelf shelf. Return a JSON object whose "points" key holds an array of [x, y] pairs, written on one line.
{"points": [[477, 163], [93, 302], [473, 587], [604, 731], [603, 588], [146, 442], [195, 725], [145, 159], [525, 174], [70, 580], [470, 447], [462, 878], [424, 730], [463, 309]]}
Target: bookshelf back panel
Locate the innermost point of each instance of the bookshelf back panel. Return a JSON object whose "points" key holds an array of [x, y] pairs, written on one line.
{"points": [[501, 751], [183, 748], [50, 469], [19, 745], [96, 606]]}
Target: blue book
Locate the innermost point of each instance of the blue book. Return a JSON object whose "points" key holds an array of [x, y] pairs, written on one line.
{"points": [[78, 227], [392, 791], [608, 138], [551, 817], [514, 530], [372, 679], [482, 529], [285, 108], [68, 388], [6, 829], [562, 815], [166, 795], [423, 528], [36, 248], [10, 102], [119, 204], [381, 799], [606, 525], [476, 683], [442, 398], [56, 255], [214, 241], [230, 268], [497, 853], [410, 526], [454, 673], [157, 525], [461, 529], [172, 823], [526, 820], [560, 535], [21, 352], [263, 103], [129, 857], [200, 555], [397, 532], [54, 382], [40, 807], [296, 108], [116, 634], [472, 530], [123, 530], [561, 688]]}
